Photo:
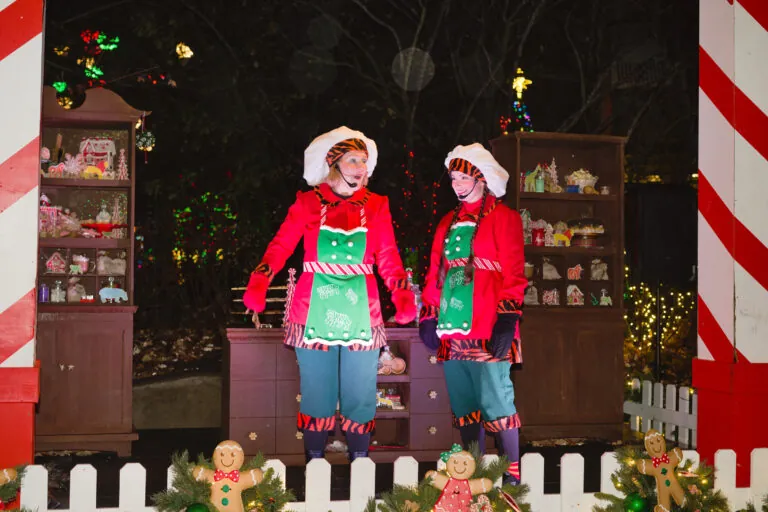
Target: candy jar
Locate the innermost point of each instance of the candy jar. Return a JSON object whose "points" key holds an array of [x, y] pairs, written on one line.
{"points": [[103, 217], [43, 294], [58, 294]]}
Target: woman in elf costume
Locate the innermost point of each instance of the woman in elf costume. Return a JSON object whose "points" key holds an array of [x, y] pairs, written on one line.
{"points": [[335, 322], [472, 299]]}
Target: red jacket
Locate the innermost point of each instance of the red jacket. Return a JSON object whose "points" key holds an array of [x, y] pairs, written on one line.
{"points": [[498, 238], [303, 219]]}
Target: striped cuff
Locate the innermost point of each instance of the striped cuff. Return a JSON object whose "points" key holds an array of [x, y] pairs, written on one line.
{"points": [[501, 424], [514, 470], [509, 306], [307, 422], [398, 284], [265, 269], [347, 425], [428, 313], [467, 419]]}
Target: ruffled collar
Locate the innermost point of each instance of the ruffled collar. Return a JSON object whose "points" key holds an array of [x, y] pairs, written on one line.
{"points": [[328, 197]]}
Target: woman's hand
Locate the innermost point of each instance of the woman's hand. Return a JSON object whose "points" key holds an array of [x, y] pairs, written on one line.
{"points": [[503, 335]]}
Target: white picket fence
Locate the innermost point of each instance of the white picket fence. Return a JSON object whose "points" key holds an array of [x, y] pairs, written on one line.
{"points": [[572, 498], [668, 409]]}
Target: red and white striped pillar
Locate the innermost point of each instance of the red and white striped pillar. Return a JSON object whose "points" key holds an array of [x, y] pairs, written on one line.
{"points": [[731, 371], [21, 58]]}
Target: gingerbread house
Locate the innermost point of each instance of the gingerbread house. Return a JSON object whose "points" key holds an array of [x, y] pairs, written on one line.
{"points": [[98, 149]]}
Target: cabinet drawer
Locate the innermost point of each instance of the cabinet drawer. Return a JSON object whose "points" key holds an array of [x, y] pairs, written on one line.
{"points": [[429, 396], [423, 363], [254, 434], [252, 361], [287, 366], [286, 441], [287, 392], [431, 431], [252, 399]]}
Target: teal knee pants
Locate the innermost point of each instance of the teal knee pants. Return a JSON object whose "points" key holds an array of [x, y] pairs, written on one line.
{"points": [[338, 376], [476, 386]]}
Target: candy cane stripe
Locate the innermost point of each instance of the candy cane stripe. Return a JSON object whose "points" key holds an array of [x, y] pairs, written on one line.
{"points": [[338, 269]]}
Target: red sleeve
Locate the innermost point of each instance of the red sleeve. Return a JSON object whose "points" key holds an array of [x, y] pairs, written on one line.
{"points": [[284, 243], [510, 243], [430, 295], [388, 260]]}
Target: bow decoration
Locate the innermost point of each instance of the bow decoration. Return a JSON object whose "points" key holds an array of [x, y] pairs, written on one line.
{"points": [[447, 455], [233, 475], [658, 461]]}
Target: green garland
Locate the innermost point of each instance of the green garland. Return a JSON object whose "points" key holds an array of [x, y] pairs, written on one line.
{"points": [[639, 491], [751, 507], [9, 490], [425, 495], [268, 495]]}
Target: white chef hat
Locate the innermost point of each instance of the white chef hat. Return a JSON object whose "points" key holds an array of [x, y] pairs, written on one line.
{"points": [[318, 156], [481, 161]]}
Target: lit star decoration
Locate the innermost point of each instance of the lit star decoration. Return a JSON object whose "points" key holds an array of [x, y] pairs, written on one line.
{"points": [[183, 51], [521, 117], [60, 86], [520, 83]]}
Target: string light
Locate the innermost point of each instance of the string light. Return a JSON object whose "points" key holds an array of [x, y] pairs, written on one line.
{"points": [[214, 224], [641, 322]]}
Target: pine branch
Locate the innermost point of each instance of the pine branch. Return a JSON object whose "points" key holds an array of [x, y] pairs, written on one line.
{"points": [[9, 490], [256, 462]]}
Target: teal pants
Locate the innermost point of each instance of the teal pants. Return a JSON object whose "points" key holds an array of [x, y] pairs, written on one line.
{"points": [[477, 386], [338, 376]]}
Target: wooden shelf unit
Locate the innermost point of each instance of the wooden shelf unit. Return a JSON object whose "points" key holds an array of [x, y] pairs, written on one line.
{"points": [[86, 349], [571, 383]]}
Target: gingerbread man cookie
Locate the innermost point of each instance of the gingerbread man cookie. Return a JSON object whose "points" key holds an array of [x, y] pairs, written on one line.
{"points": [[457, 487], [227, 483], [662, 467], [7, 475]]}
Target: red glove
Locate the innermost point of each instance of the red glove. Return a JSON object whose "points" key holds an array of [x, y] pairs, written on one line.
{"points": [[255, 296], [405, 306]]}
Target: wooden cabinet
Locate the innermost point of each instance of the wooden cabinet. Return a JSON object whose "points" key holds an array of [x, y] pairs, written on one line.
{"points": [[262, 400], [85, 381], [85, 274], [571, 384]]}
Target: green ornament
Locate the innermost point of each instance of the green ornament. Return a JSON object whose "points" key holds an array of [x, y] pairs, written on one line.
{"points": [[197, 507], [225, 501], [635, 503]]}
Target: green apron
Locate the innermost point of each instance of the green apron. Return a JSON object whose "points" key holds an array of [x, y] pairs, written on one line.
{"points": [[338, 309], [456, 298]]}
